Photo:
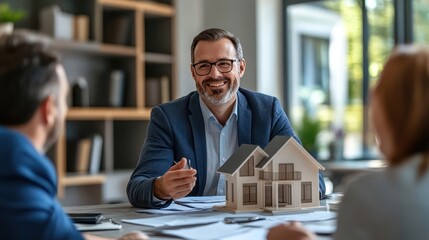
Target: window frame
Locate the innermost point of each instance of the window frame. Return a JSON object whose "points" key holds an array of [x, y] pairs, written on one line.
{"points": [[403, 34]]}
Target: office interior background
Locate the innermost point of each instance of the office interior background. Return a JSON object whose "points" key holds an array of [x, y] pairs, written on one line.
{"points": [[319, 57]]}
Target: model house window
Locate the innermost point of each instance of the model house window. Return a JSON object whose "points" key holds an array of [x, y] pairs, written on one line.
{"points": [[286, 171], [248, 169], [285, 194], [249, 194], [306, 192]]}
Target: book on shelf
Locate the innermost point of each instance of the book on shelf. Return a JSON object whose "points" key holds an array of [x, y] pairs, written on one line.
{"points": [[82, 155], [165, 89], [116, 88], [96, 152], [88, 155], [157, 90]]}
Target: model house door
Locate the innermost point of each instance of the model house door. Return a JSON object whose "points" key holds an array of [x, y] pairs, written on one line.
{"points": [[286, 171], [268, 196], [285, 195]]}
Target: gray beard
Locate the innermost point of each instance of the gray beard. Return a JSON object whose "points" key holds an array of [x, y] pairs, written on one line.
{"points": [[214, 98]]}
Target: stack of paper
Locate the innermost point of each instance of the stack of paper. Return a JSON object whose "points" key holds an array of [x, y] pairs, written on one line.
{"points": [[188, 204]]}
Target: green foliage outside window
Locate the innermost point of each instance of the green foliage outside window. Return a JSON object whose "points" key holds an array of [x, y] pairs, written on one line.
{"points": [[307, 131], [8, 15]]}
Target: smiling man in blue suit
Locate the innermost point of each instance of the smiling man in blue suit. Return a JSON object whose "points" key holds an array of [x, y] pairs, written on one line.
{"points": [[204, 128]]}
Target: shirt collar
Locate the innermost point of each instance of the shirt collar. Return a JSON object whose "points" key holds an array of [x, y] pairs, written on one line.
{"points": [[207, 114]]}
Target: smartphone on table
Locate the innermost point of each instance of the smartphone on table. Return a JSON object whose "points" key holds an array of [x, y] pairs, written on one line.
{"points": [[89, 218]]}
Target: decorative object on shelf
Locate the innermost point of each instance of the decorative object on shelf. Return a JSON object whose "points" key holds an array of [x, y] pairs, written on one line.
{"points": [[81, 28], [165, 89], [82, 155], [80, 93], [8, 17], [116, 88], [152, 93], [56, 23], [96, 153], [88, 155], [117, 29], [157, 91]]}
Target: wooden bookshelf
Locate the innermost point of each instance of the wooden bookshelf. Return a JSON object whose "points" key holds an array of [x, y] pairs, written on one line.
{"points": [[143, 51]]}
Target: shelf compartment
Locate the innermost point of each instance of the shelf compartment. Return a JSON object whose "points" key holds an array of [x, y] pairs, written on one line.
{"points": [[118, 26], [157, 41], [108, 113], [128, 137], [101, 90]]}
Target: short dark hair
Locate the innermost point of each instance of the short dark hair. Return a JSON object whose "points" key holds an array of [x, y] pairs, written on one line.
{"points": [[214, 34], [27, 75]]}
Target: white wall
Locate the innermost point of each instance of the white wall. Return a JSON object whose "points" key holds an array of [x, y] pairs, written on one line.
{"points": [[255, 22], [189, 22], [269, 47], [238, 17]]}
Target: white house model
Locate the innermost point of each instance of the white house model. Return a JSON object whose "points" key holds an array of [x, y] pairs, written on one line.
{"points": [[281, 177]]}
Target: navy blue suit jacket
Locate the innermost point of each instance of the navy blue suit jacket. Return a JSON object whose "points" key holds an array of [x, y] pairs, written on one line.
{"points": [[177, 130], [28, 187]]}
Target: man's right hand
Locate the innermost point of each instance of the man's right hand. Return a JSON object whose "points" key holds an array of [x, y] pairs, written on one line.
{"points": [[176, 183]]}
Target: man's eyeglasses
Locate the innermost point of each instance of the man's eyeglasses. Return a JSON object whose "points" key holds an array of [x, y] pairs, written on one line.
{"points": [[223, 66]]}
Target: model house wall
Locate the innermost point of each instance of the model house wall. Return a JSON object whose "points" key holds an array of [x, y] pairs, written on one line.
{"points": [[283, 176], [240, 173]]}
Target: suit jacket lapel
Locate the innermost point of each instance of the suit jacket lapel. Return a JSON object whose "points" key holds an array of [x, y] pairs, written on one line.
{"points": [[244, 120], [198, 132]]}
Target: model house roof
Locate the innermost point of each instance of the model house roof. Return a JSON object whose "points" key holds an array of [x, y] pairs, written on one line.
{"points": [[277, 143], [239, 157]]}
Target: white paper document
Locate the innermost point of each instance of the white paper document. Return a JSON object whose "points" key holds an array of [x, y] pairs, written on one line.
{"points": [[249, 234], [211, 231], [188, 204], [175, 208], [306, 217], [179, 219], [310, 217]]}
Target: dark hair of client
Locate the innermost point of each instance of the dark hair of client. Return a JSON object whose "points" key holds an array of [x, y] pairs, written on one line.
{"points": [[27, 75]]}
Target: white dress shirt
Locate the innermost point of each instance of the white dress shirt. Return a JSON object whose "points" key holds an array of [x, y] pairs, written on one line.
{"points": [[221, 143]]}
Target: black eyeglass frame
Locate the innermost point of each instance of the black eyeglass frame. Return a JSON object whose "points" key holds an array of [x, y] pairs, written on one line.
{"points": [[215, 64]]}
